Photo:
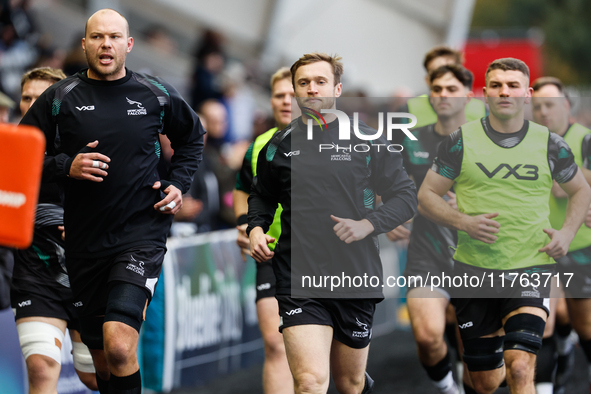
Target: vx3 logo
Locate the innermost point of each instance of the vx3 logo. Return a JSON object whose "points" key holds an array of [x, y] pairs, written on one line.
{"points": [[86, 108], [530, 175], [294, 311], [466, 325], [293, 153]]}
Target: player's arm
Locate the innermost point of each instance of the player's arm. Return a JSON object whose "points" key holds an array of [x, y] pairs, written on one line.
{"points": [[435, 208], [439, 180], [240, 200], [572, 180], [262, 203], [586, 154], [401, 233], [185, 132], [390, 181], [39, 115]]}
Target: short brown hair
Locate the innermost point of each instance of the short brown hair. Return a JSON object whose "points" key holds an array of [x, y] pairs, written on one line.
{"points": [[282, 73], [543, 81], [508, 64], [442, 51], [309, 58], [460, 72], [52, 75]]}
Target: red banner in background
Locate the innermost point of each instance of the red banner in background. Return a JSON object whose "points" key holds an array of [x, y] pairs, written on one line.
{"points": [[480, 53]]}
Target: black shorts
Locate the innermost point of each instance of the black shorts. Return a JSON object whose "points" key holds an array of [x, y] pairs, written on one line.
{"points": [[265, 280], [482, 316], [351, 319], [575, 273], [480, 309], [90, 278], [48, 304]]}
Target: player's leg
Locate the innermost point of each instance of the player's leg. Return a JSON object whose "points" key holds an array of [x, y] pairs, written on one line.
{"points": [[348, 368], [41, 339], [579, 310], [484, 361], [308, 352], [524, 328], [546, 359], [276, 374], [481, 334], [353, 326], [428, 321], [123, 319], [565, 348], [83, 361], [131, 283]]}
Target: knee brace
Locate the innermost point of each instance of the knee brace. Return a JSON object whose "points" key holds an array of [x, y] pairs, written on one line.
{"points": [[91, 331], [126, 305], [483, 354], [40, 338], [82, 358], [524, 332]]}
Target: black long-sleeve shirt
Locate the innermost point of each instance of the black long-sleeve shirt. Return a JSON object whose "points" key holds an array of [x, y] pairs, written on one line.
{"points": [[125, 116], [313, 179]]}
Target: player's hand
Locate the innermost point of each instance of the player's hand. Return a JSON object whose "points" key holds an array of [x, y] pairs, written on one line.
{"points": [[558, 246], [400, 233], [63, 230], [259, 249], [349, 230], [172, 203], [90, 166], [452, 201], [483, 228], [588, 218], [242, 241]]}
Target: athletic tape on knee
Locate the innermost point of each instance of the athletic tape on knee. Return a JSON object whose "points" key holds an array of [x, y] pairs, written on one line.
{"points": [[40, 338], [82, 358], [483, 354], [524, 332], [126, 305]]}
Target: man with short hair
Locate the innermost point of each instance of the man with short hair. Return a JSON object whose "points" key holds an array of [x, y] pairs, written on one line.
{"points": [[117, 210], [276, 374], [34, 82], [551, 108], [430, 249], [502, 168], [329, 224], [420, 106], [40, 293]]}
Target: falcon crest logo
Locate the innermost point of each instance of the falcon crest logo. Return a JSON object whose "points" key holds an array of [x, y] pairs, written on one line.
{"points": [[140, 108]]}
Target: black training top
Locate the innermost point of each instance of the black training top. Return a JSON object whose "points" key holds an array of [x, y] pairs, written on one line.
{"points": [[314, 179], [126, 116]]}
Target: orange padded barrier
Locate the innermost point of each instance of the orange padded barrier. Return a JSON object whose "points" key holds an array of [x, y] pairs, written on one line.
{"points": [[22, 150]]}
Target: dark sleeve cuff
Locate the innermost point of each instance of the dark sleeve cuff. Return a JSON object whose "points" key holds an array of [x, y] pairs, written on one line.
{"points": [[165, 183]]}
